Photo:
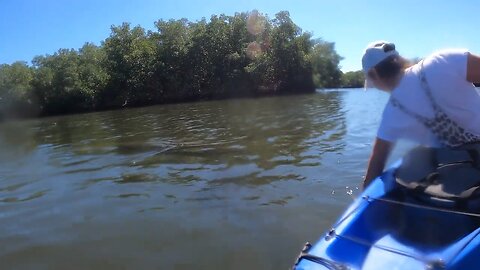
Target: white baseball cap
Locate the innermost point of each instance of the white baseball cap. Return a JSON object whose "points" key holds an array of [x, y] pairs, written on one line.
{"points": [[375, 53]]}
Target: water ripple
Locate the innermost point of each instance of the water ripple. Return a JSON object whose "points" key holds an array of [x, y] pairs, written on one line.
{"points": [[199, 171], [32, 196]]}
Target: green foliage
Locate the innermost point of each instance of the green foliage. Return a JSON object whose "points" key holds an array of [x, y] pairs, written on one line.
{"points": [[353, 79], [15, 88], [283, 64], [69, 80], [130, 62], [15, 80], [325, 60], [92, 73], [247, 54], [173, 41]]}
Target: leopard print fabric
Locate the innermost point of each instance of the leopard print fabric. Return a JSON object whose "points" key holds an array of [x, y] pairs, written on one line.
{"points": [[447, 131]]}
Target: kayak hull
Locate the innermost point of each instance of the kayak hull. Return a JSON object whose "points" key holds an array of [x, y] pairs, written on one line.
{"points": [[385, 228]]}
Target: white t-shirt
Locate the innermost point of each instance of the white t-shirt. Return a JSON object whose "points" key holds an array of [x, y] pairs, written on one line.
{"points": [[445, 72]]}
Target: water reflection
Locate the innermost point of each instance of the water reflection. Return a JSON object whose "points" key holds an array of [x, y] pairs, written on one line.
{"points": [[244, 165], [266, 134], [35, 195], [242, 142]]}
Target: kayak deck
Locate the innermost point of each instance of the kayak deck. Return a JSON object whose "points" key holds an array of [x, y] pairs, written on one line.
{"points": [[384, 229]]}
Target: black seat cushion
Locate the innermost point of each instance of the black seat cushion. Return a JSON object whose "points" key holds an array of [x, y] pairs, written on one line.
{"points": [[443, 173]]}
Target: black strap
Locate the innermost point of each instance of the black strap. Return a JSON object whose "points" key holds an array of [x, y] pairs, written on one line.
{"points": [[322, 261]]}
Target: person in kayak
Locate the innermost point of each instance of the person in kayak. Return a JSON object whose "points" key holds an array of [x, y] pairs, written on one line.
{"points": [[433, 103]]}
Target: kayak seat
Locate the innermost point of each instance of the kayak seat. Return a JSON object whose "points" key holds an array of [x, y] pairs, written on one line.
{"points": [[443, 177]]}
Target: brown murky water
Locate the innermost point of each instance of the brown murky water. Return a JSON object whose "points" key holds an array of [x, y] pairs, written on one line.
{"points": [[237, 184]]}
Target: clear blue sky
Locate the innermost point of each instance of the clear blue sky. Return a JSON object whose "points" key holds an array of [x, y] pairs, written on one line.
{"points": [[38, 27]]}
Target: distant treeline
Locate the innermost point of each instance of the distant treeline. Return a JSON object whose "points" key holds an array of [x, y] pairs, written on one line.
{"points": [[247, 54], [353, 79]]}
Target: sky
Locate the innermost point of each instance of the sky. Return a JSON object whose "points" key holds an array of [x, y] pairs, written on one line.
{"points": [[37, 27]]}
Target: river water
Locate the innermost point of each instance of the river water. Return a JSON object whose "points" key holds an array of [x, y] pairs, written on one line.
{"points": [[232, 184]]}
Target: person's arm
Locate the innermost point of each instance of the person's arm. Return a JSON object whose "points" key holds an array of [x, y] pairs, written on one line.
{"points": [[380, 152], [473, 68]]}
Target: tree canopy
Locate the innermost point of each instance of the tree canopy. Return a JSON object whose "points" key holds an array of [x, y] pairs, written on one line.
{"points": [[353, 79], [247, 54]]}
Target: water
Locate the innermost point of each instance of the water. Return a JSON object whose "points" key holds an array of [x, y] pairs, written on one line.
{"points": [[230, 184]]}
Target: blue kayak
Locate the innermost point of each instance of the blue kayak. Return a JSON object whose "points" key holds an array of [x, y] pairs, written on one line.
{"points": [[403, 226]]}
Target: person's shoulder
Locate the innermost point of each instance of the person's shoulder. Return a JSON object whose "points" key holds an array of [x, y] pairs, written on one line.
{"points": [[446, 56], [449, 51], [447, 60]]}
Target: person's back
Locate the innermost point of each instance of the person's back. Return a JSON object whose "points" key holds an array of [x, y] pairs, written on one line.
{"points": [[433, 103], [445, 74]]}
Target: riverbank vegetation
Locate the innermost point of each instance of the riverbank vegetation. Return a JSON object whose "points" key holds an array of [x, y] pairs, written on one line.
{"points": [[247, 54], [353, 79]]}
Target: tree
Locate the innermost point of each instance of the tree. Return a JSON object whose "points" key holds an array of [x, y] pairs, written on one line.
{"points": [[353, 79], [283, 64], [57, 84], [92, 74], [69, 80], [130, 63], [15, 90], [325, 60], [172, 40], [226, 56]]}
